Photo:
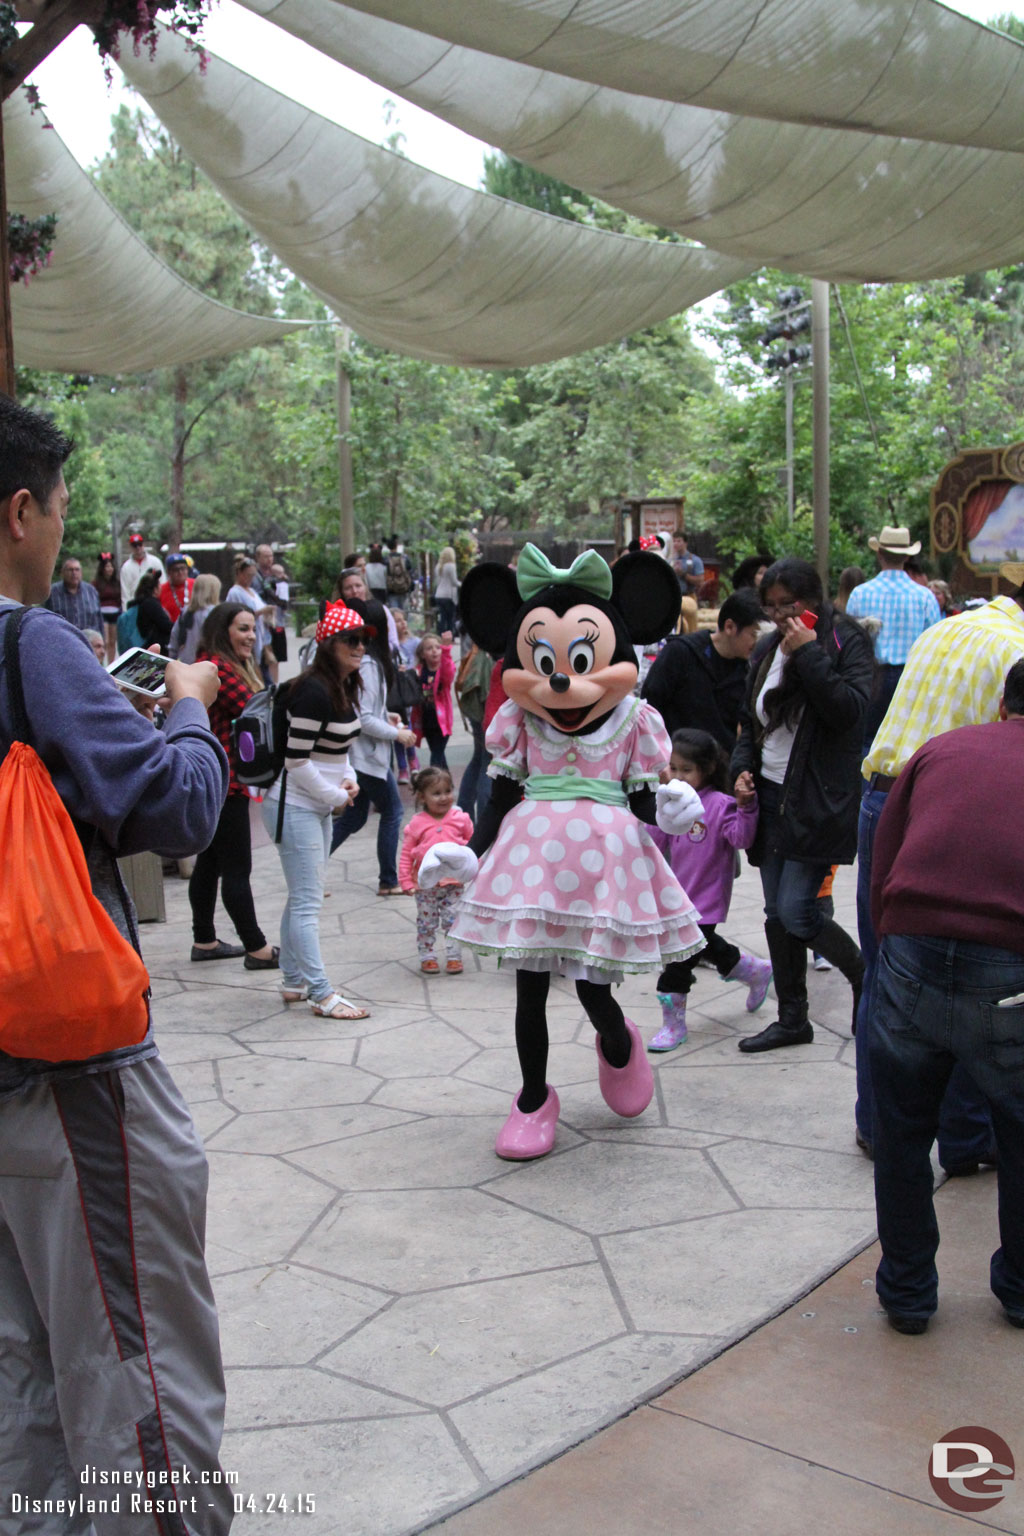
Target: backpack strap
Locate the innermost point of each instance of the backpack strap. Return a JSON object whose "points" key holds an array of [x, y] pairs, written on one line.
{"points": [[12, 663]]}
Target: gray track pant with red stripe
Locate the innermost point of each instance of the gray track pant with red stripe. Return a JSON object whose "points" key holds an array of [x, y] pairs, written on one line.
{"points": [[109, 1352]]}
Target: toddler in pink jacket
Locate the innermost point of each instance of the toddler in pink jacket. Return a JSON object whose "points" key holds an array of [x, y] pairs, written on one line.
{"points": [[437, 820]]}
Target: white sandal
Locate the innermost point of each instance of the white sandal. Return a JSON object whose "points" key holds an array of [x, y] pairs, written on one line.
{"points": [[295, 994], [337, 1007]]}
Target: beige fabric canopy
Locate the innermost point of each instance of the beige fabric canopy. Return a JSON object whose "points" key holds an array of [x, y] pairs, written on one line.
{"points": [[905, 67], [105, 304], [829, 202], [410, 259], [810, 134]]}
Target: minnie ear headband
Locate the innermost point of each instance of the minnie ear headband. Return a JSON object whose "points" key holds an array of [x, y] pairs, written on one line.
{"points": [[335, 619]]}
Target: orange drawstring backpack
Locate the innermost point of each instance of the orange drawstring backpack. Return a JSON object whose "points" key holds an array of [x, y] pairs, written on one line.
{"points": [[70, 985]]}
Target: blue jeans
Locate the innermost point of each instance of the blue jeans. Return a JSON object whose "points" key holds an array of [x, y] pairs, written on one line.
{"points": [[790, 887], [383, 793], [965, 1126], [475, 789], [304, 848], [936, 1005]]}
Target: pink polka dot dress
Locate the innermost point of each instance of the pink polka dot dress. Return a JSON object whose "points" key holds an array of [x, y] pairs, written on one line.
{"points": [[576, 886]]}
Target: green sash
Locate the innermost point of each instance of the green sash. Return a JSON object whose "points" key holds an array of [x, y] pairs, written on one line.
{"points": [[562, 786]]}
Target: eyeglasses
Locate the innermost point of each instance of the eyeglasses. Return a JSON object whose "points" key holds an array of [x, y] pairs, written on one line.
{"points": [[782, 610]]}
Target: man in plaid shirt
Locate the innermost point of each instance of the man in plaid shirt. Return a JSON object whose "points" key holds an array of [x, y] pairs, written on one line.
{"points": [[74, 599], [954, 676], [904, 610]]}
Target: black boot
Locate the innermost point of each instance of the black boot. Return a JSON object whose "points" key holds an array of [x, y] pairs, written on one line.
{"points": [[837, 946], [789, 968]]}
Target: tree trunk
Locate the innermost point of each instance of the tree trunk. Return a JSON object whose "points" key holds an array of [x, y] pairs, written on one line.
{"points": [[396, 477], [347, 524], [7, 383], [178, 459]]}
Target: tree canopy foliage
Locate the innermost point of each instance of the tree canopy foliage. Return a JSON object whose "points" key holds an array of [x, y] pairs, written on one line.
{"points": [[246, 447]]}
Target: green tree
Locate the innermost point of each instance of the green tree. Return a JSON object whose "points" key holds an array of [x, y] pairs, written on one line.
{"points": [[427, 442], [612, 422], [184, 445], [918, 372]]}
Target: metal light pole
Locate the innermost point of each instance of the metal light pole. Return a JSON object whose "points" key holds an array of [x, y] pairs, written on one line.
{"points": [[788, 375], [820, 365], [792, 318]]}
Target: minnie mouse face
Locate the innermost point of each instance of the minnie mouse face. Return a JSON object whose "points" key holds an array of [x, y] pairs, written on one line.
{"points": [[568, 635], [568, 672]]}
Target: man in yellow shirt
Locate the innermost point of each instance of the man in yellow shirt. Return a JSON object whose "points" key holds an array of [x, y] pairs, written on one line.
{"points": [[954, 676]]}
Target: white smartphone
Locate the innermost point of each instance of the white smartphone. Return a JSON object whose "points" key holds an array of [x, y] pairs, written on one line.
{"points": [[141, 671]]}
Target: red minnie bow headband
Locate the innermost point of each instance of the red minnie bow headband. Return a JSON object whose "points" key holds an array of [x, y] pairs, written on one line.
{"points": [[336, 619], [650, 541]]}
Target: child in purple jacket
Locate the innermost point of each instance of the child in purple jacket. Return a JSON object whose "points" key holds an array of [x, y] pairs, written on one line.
{"points": [[704, 862]]}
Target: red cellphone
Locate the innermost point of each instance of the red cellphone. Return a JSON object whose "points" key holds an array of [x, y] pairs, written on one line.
{"points": [[808, 618]]}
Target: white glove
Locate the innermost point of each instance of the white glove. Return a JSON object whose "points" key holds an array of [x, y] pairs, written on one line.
{"points": [[448, 861], [678, 807]]}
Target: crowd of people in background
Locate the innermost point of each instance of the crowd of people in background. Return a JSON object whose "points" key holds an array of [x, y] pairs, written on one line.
{"points": [[790, 713], [815, 731]]}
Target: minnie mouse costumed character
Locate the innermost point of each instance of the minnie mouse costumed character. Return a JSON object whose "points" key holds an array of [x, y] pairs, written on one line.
{"points": [[568, 881]]}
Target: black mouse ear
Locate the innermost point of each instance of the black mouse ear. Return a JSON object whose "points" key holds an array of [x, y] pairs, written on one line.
{"points": [[488, 602], [645, 590]]}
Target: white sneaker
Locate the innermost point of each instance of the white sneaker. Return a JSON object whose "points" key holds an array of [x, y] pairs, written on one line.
{"points": [[821, 964]]}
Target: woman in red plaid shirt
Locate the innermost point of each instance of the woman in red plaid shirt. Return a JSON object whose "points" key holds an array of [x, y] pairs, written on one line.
{"points": [[228, 640]]}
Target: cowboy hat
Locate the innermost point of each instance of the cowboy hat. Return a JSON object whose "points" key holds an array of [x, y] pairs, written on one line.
{"points": [[1013, 572], [895, 541]]}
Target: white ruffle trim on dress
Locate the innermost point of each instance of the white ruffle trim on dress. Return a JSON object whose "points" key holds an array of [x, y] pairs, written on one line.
{"points": [[601, 948]]}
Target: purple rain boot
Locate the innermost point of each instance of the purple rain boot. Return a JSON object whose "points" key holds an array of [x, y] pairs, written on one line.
{"points": [[755, 974], [673, 1026]]}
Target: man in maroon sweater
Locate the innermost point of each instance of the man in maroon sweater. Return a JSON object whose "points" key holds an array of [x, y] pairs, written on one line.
{"points": [[949, 989]]}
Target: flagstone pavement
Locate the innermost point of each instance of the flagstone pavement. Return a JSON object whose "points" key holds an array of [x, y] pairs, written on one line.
{"points": [[408, 1322]]}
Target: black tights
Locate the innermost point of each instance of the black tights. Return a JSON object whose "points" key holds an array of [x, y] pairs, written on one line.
{"points": [[532, 1030]]}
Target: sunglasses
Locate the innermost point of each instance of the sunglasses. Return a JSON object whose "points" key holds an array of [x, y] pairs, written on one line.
{"points": [[351, 637]]}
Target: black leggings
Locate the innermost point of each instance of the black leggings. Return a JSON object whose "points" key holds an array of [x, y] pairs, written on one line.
{"points": [[436, 741], [532, 1031], [229, 861], [678, 974]]}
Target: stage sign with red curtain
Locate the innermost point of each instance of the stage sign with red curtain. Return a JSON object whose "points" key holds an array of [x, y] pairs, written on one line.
{"points": [[977, 516]]}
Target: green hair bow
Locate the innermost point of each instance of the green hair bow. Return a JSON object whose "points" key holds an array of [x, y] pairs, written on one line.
{"points": [[534, 572]]}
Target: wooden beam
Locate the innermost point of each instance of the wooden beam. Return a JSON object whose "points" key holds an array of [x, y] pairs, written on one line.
{"points": [[57, 22]]}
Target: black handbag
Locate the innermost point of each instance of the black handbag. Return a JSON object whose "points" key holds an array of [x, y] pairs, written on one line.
{"points": [[404, 693]]}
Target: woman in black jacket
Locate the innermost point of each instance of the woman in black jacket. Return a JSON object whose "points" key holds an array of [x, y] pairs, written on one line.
{"points": [[800, 747], [153, 619]]}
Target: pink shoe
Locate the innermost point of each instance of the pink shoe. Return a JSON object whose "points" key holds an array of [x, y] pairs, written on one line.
{"points": [[525, 1136], [629, 1089]]}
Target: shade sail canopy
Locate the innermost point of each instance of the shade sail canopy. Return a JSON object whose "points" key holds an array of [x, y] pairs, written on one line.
{"points": [[910, 68], [105, 304], [412, 260], [833, 203]]}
